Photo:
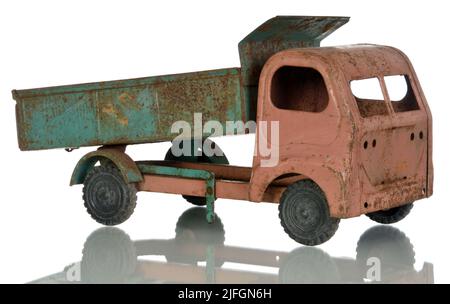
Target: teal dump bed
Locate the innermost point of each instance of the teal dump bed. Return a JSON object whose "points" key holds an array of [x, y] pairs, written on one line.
{"points": [[126, 111], [143, 110]]}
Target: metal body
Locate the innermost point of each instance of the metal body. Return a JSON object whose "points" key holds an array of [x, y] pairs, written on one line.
{"points": [[365, 155]]}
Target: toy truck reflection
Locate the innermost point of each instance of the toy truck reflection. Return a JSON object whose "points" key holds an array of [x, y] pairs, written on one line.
{"points": [[198, 255]]}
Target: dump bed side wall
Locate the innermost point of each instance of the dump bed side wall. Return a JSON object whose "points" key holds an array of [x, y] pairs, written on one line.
{"points": [[125, 112]]}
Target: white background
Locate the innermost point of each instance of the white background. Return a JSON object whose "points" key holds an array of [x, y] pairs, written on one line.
{"points": [[43, 224]]}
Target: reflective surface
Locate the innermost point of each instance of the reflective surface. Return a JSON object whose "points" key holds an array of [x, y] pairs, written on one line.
{"points": [[198, 254]]}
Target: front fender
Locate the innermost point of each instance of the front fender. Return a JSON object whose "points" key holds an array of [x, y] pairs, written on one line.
{"points": [[329, 180], [128, 168]]}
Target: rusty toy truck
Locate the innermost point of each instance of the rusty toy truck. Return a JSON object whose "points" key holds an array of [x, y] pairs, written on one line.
{"points": [[340, 154]]}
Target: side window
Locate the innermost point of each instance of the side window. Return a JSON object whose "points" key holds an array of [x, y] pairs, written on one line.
{"points": [[369, 97], [299, 89], [401, 93]]}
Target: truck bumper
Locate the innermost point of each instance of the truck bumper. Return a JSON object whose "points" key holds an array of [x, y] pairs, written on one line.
{"points": [[395, 194]]}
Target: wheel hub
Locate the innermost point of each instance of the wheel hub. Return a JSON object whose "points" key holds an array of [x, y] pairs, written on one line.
{"points": [[308, 214], [106, 196]]}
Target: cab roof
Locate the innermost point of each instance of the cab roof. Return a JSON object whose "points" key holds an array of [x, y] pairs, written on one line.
{"points": [[354, 61]]}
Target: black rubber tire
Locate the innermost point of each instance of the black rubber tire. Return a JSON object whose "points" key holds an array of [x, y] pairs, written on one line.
{"points": [[109, 256], [392, 215], [391, 246], [304, 214], [195, 200], [308, 265], [107, 197], [215, 159]]}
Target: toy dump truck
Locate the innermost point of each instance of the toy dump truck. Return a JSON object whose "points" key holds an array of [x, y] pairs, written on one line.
{"points": [[339, 154]]}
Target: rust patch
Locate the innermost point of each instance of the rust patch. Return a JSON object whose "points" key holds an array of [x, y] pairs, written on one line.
{"points": [[113, 111], [129, 101]]}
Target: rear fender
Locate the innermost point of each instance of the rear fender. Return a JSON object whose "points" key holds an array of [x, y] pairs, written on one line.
{"points": [[128, 168]]}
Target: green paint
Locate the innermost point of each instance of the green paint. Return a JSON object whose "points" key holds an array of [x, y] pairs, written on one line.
{"points": [[117, 84], [126, 111], [128, 168], [188, 173]]}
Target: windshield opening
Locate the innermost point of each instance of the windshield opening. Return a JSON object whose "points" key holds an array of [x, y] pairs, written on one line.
{"points": [[401, 93], [369, 97]]}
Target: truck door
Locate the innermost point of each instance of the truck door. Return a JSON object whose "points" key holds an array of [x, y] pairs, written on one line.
{"points": [[298, 98]]}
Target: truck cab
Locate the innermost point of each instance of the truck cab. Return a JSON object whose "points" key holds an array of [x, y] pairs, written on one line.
{"points": [[366, 153]]}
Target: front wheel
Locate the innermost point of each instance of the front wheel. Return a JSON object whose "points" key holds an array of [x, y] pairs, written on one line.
{"points": [[107, 197], [392, 215], [304, 214]]}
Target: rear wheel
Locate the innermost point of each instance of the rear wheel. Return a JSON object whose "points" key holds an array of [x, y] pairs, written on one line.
{"points": [[304, 214], [192, 158], [392, 215], [107, 197]]}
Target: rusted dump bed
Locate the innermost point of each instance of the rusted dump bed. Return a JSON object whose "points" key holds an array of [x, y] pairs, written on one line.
{"points": [[124, 112], [143, 110]]}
